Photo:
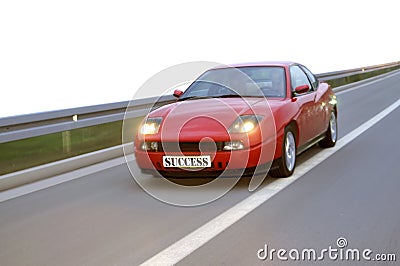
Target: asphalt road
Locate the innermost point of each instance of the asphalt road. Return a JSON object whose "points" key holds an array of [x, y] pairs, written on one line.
{"points": [[107, 219]]}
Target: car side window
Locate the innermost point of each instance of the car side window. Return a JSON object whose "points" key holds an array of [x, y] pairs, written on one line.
{"points": [[311, 77], [298, 77]]}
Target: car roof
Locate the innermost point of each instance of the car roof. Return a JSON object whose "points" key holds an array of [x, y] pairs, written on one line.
{"points": [[262, 63]]}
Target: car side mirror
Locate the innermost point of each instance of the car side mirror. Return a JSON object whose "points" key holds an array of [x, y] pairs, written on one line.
{"points": [[178, 93], [302, 89]]}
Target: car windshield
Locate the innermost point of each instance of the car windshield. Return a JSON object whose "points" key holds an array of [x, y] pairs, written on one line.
{"points": [[255, 81]]}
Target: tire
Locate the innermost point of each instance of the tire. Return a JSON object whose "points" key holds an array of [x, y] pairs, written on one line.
{"points": [[331, 133], [287, 163]]}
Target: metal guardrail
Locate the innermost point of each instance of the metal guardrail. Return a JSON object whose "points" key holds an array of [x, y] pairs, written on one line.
{"points": [[31, 125], [355, 71]]}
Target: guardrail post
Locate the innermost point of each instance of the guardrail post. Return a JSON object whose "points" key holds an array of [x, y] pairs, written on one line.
{"points": [[66, 140]]}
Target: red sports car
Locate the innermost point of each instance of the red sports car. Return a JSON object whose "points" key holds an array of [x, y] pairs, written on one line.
{"points": [[238, 120]]}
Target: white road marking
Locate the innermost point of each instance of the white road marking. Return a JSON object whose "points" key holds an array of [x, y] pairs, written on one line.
{"points": [[59, 179], [185, 246]]}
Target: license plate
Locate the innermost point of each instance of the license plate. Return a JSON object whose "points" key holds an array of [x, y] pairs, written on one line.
{"points": [[187, 161]]}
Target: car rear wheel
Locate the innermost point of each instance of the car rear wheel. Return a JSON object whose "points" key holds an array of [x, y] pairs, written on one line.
{"points": [[331, 133], [287, 163]]}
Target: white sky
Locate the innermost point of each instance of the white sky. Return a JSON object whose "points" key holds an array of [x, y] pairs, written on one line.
{"points": [[62, 54]]}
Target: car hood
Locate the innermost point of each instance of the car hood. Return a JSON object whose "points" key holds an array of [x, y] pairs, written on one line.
{"points": [[194, 120]]}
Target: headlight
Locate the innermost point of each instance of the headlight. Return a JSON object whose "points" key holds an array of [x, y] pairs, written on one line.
{"points": [[149, 146], [151, 125], [245, 123], [233, 145]]}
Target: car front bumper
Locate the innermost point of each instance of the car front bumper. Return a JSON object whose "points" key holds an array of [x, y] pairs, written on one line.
{"points": [[230, 163]]}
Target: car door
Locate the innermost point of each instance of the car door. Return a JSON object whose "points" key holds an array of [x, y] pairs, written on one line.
{"points": [[306, 104], [320, 115]]}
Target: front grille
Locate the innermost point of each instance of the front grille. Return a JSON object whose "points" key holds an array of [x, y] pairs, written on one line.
{"points": [[190, 146]]}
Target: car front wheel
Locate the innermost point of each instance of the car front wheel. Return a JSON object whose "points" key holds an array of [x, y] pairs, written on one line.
{"points": [[287, 163]]}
